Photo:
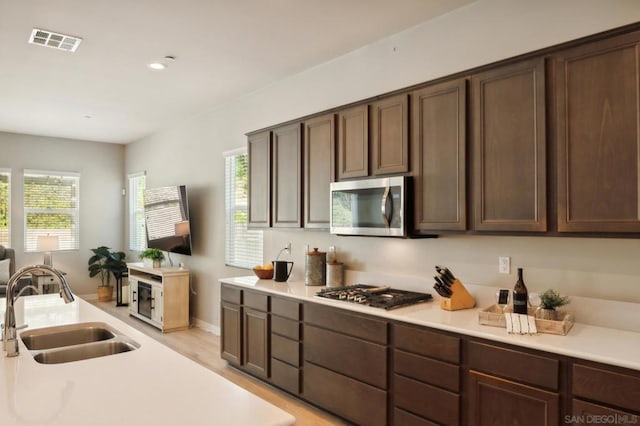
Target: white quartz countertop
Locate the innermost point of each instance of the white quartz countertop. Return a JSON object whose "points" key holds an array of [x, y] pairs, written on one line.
{"points": [[152, 385], [600, 344]]}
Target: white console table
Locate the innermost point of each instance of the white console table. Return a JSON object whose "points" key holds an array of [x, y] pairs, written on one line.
{"points": [[159, 296]]}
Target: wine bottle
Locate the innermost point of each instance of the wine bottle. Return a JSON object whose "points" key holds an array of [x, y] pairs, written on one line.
{"points": [[520, 295]]}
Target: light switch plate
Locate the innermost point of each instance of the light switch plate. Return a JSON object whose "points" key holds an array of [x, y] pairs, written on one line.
{"points": [[504, 264]]}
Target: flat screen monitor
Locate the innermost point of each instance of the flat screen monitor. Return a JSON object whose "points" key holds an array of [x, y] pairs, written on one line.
{"points": [[166, 213]]}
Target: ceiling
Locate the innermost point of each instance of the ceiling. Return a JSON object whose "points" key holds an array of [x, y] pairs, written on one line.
{"points": [[223, 48]]}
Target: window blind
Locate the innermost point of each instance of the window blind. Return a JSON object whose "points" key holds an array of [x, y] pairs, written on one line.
{"points": [[51, 207], [243, 247], [5, 207], [137, 233]]}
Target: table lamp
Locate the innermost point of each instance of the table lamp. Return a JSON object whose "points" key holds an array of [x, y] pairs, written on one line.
{"points": [[47, 244]]}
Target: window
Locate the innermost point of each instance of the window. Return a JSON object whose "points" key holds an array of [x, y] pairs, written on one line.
{"points": [[243, 248], [137, 237], [51, 207], [5, 207]]}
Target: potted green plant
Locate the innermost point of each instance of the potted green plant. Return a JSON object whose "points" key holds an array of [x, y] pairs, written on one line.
{"points": [[153, 255], [106, 263], [549, 301]]}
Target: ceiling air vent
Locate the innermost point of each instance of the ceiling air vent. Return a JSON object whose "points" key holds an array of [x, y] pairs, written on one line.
{"points": [[54, 40]]}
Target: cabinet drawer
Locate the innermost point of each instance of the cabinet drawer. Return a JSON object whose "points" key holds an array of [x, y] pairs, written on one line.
{"points": [[352, 357], [285, 308], [286, 350], [257, 301], [231, 294], [346, 323], [285, 327], [285, 376], [427, 370], [355, 401], [581, 411], [428, 401], [403, 418], [522, 367], [606, 386], [428, 343]]}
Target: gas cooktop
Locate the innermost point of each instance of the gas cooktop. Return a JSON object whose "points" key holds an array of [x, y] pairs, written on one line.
{"points": [[378, 297]]}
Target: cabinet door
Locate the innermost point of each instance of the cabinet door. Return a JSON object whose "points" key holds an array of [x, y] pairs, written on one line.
{"points": [[256, 342], [157, 305], [509, 148], [259, 206], [495, 401], [319, 169], [598, 129], [390, 135], [231, 338], [133, 295], [353, 142], [439, 157], [286, 206]]}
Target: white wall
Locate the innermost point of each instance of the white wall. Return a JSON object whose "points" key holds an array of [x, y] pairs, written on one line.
{"points": [[483, 32], [101, 202]]}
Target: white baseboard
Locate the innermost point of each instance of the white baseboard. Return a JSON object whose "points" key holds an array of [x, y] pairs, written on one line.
{"points": [[205, 326]]}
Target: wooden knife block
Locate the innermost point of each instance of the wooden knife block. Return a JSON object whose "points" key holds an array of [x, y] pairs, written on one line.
{"points": [[460, 299]]}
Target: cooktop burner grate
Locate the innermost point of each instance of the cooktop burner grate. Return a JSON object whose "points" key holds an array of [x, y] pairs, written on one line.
{"points": [[377, 297]]}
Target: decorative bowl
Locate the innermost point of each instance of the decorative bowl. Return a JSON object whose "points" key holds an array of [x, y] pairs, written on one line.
{"points": [[263, 274]]}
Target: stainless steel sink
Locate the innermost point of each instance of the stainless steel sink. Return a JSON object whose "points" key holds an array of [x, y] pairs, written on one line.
{"points": [[67, 335], [75, 342], [86, 351]]}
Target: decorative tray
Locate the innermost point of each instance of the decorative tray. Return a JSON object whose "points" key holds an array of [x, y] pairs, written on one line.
{"points": [[494, 316]]}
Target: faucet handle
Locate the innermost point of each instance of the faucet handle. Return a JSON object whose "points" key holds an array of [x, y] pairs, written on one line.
{"points": [[22, 326]]}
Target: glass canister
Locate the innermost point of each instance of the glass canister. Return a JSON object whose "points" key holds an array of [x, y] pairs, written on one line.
{"points": [[315, 264]]}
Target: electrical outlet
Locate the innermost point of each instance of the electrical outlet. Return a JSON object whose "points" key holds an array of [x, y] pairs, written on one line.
{"points": [[288, 248], [504, 264]]}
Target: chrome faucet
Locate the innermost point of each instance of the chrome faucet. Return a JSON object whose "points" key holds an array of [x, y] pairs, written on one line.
{"points": [[9, 335]]}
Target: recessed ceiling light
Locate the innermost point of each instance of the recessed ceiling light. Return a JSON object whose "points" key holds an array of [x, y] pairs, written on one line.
{"points": [[54, 40], [162, 64]]}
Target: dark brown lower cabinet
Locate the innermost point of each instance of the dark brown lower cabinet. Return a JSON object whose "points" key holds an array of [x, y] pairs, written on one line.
{"points": [[231, 341], [256, 342], [371, 371], [427, 401], [351, 399], [495, 401], [586, 413]]}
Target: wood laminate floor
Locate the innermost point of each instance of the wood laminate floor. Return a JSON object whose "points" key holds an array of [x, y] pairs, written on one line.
{"points": [[204, 348]]}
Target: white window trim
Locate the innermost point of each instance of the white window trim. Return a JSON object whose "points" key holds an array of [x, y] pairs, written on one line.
{"points": [[133, 230], [8, 172], [230, 211], [73, 212]]}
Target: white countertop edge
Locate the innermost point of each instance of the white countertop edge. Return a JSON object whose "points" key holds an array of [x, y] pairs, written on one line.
{"points": [[173, 388], [587, 342]]}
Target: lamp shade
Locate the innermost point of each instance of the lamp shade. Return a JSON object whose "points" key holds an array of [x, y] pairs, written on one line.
{"points": [[182, 228], [48, 243]]}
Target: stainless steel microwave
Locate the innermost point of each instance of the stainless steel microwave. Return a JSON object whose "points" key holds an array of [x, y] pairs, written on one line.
{"points": [[373, 206]]}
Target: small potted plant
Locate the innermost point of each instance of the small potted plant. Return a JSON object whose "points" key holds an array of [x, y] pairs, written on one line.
{"points": [[106, 263], [549, 301], [152, 255]]}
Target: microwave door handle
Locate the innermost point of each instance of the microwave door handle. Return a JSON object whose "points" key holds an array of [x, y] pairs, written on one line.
{"points": [[383, 207]]}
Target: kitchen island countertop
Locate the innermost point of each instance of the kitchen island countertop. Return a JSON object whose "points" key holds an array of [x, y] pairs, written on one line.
{"points": [[152, 385], [600, 344]]}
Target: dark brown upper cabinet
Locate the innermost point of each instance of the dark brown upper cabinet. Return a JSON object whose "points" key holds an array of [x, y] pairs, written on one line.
{"points": [[390, 135], [598, 131], [509, 148], [319, 169], [259, 206], [438, 154], [286, 205], [353, 142]]}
